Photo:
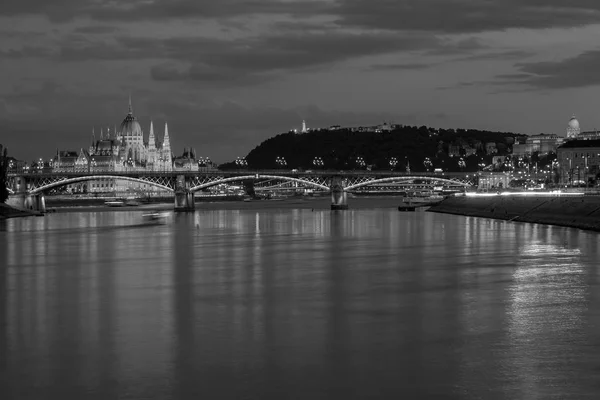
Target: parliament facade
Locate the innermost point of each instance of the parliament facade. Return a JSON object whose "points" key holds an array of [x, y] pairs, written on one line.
{"points": [[124, 149]]}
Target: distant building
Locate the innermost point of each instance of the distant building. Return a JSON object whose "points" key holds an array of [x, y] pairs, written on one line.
{"points": [[385, 127], [574, 131], [124, 149], [542, 144], [498, 161], [490, 148], [522, 149], [187, 161], [469, 151], [573, 128], [493, 180], [578, 160], [453, 150]]}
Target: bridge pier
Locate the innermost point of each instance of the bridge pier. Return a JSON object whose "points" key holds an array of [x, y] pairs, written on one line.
{"points": [[35, 202], [184, 199], [339, 197], [26, 201]]}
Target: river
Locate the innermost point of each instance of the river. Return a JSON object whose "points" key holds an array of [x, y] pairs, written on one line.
{"points": [[293, 301]]}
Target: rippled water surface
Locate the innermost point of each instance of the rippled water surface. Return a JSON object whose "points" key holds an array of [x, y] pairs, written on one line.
{"points": [[297, 303]]}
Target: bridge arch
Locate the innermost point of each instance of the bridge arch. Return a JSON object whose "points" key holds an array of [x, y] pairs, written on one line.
{"points": [[256, 177], [406, 178], [68, 181]]}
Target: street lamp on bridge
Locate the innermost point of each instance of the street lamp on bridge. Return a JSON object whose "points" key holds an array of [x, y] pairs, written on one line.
{"points": [[241, 162], [281, 162], [393, 163], [427, 164], [318, 162], [360, 162]]}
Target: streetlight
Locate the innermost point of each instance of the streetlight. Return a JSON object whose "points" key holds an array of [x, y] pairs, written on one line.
{"points": [[461, 163], [481, 164], [393, 163], [427, 164], [318, 162], [360, 162], [281, 161], [241, 162]]}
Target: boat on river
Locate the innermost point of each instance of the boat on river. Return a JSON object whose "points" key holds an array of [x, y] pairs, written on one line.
{"points": [[154, 218], [114, 203], [414, 200]]}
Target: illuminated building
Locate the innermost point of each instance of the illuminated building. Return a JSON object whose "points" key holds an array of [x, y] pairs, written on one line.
{"points": [[578, 161]]}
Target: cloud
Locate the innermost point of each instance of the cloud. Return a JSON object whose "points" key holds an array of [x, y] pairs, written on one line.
{"points": [[27, 52], [465, 16], [497, 55], [159, 10], [96, 29], [438, 16], [245, 60], [574, 72], [399, 67]]}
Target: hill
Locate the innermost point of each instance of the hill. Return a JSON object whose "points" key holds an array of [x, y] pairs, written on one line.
{"points": [[346, 149]]}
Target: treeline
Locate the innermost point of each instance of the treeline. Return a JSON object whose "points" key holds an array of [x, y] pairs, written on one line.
{"points": [[344, 149], [3, 174]]}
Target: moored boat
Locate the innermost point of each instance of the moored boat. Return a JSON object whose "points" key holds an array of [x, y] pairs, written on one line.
{"points": [[421, 199], [114, 203]]}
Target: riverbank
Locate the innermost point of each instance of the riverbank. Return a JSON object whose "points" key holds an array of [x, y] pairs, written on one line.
{"points": [[7, 211], [581, 212]]}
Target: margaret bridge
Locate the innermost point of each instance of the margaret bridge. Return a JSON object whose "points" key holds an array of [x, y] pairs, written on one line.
{"points": [[28, 189]]}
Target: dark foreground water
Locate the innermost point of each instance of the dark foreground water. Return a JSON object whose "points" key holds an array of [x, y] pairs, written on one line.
{"points": [[297, 303]]}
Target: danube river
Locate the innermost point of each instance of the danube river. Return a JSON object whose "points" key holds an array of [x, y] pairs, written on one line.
{"points": [[292, 301]]}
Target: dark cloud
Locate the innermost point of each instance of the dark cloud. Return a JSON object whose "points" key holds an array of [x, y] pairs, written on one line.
{"points": [[400, 67], [574, 72], [96, 29], [137, 10], [497, 55], [27, 52], [247, 60], [440, 16], [460, 16]]}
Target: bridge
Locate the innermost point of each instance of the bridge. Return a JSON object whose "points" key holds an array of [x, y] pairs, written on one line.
{"points": [[29, 189]]}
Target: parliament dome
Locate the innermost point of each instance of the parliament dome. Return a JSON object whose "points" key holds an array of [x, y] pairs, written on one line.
{"points": [[130, 126]]}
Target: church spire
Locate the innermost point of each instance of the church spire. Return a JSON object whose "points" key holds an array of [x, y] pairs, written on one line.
{"points": [[130, 108], [101, 134], [166, 142], [151, 139]]}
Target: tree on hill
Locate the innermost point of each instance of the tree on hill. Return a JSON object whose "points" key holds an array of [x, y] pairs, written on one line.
{"points": [[345, 149], [3, 174]]}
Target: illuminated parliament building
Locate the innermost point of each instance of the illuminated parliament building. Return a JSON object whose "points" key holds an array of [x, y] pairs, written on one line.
{"points": [[124, 149]]}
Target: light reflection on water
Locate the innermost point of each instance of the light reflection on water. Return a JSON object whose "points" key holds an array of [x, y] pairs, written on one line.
{"points": [[296, 303]]}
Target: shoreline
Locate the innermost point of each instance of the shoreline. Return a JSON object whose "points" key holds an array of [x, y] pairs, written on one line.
{"points": [[581, 212], [7, 212]]}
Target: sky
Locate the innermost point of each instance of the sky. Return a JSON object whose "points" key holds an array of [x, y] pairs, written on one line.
{"points": [[228, 74]]}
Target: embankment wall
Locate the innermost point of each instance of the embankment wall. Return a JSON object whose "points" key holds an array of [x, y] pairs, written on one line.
{"points": [[572, 211]]}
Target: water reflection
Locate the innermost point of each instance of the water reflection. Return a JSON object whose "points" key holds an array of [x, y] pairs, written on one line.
{"points": [[245, 303]]}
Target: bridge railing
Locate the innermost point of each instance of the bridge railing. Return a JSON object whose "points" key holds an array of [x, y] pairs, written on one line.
{"points": [[241, 172]]}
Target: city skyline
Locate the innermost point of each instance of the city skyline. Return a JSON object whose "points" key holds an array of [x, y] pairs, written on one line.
{"points": [[227, 75]]}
